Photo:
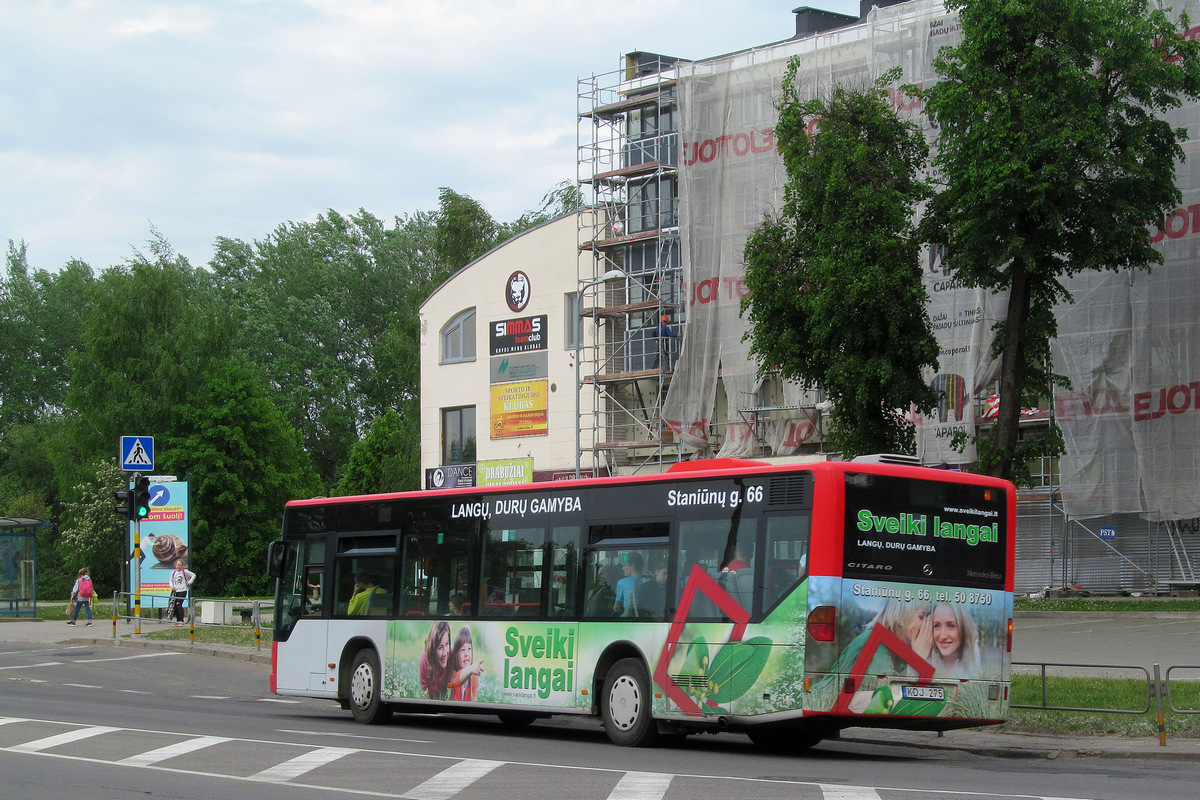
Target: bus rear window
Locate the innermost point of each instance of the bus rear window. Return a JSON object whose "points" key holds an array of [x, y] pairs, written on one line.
{"points": [[923, 531]]}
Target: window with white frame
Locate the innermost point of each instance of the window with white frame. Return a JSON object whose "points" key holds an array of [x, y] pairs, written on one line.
{"points": [[574, 332], [458, 338]]}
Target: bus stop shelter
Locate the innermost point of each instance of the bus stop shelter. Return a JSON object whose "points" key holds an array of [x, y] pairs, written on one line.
{"points": [[18, 565]]}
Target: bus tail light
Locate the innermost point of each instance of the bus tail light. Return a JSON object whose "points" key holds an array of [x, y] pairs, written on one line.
{"points": [[1009, 645], [821, 623]]}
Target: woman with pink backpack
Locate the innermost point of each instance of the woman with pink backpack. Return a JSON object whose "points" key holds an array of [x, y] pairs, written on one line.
{"points": [[81, 595]]}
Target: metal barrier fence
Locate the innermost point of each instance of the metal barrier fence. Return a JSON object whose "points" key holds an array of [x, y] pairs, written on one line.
{"points": [[1170, 700], [1158, 690], [220, 612]]}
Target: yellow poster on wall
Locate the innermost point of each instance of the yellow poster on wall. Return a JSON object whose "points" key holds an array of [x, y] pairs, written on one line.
{"points": [[519, 409]]}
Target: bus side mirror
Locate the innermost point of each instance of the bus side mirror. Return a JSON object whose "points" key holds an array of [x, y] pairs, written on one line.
{"points": [[275, 556]]}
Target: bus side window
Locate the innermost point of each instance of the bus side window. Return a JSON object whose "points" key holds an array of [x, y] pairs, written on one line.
{"points": [[513, 564], [787, 549], [723, 549], [314, 584]]}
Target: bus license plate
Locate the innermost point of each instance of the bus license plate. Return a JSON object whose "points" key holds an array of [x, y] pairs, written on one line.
{"points": [[922, 693]]}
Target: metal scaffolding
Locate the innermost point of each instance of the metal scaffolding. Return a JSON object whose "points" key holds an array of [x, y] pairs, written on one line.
{"points": [[628, 168]]}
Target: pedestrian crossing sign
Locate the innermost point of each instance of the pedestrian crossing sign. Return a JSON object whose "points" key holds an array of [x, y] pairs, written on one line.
{"points": [[137, 453]]}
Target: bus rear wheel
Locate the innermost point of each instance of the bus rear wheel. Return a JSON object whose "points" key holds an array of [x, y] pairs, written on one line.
{"points": [[626, 708], [365, 679]]}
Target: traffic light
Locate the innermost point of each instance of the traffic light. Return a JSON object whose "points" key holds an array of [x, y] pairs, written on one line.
{"points": [[123, 501], [140, 505]]}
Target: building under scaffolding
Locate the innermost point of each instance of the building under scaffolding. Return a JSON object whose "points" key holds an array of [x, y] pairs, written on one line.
{"points": [[1115, 514]]}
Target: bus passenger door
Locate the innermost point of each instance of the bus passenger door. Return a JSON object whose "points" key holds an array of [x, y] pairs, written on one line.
{"points": [[301, 602]]}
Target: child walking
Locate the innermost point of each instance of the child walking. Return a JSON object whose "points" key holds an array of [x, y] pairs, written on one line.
{"points": [[181, 582], [81, 594]]}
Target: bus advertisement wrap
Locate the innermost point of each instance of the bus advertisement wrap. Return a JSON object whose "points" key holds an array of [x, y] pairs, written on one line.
{"points": [[911, 649], [772, 600], [943, 648]]}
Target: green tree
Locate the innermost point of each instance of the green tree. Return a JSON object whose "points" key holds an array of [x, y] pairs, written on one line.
{"points": [[464, 232], [92, 534], [243, 461], [835, 294], [328, 314], [1054, 154], [150, 331], [388, 458], [41, 319]]}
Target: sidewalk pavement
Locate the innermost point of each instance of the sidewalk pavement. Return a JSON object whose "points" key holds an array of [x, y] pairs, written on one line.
{"points": [[101, 633], [991, 741]]}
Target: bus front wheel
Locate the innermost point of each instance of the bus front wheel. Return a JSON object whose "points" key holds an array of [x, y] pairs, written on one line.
{"points": [[365, 679], [626, 711]]}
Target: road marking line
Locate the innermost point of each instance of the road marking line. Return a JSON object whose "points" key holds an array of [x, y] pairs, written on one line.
{"points": [[133, 691], [124, 658], [35, 666], [38, 745], [82, 685], [170, 751], [208, 697], [277, 700], [6, 720], [295, 767], [354, 736], [848, 792], [641, 786], [452, 780]]}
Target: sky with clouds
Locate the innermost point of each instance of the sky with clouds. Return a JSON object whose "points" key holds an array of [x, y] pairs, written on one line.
{"points": [[230, 117]]}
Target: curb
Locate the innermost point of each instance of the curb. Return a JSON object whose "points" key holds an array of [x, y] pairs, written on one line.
{"points": [[252, 656], [1049, 748]]}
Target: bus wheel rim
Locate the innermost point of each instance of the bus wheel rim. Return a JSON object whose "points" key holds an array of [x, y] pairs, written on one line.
{"points": [[362, 686], [624, 702]]}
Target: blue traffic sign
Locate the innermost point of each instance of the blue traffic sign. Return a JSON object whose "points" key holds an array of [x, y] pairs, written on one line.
{"points": [[137, 453]]}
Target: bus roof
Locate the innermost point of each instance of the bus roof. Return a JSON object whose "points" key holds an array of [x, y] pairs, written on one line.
{"points": [[716, 467]]}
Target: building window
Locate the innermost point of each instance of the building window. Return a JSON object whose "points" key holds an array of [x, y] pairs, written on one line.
{"points": [[458, 435], [458, 338], [574, 331]]}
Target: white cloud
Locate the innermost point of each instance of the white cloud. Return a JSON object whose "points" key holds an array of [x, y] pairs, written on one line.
{"points": [[227, 117]]}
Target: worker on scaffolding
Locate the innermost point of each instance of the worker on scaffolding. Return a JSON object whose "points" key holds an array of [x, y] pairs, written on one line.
{"points": [[665, 360]]}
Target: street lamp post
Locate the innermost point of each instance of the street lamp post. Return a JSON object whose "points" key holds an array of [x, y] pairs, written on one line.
{"points": [[611, 275]]}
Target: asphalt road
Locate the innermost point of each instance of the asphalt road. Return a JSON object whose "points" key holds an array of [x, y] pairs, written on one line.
{"points": [[1123, 640], [102, 722]]}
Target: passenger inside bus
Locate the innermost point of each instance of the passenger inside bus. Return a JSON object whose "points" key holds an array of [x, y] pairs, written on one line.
{"points": [[650, 598], [368, 596], [603, 591], [314, 578], [632, 567], [737, 575]]}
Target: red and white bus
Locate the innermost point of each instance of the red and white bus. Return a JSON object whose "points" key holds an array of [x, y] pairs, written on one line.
{"points": [[721, 595]]}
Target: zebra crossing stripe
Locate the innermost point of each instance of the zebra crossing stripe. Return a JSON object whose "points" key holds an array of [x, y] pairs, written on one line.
{"points": [[452, 780], [641, 786], [172, 750], [848, 792], [38, 745], [295, 767]]}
